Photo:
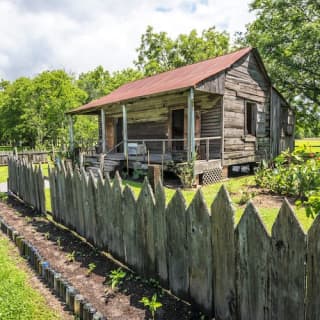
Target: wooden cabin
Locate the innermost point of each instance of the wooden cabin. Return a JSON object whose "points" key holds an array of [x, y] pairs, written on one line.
{"points": [[221, 112]]}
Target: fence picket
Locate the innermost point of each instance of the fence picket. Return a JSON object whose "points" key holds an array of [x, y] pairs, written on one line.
{"points": [[178, 258], [222, 218], [145, 209], [288, 266], [253, 253], [100, 197], [129, 228], [313, 271], [116, 218], [107, 213], [160, 229], [200, 251]]}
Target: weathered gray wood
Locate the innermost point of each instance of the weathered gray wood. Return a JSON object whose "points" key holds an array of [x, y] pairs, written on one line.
{"points": [[100, 206], [145, 211], [106, 214], [222, 217], [92, 202], [253, 253], [288, 266], [116, 244], [160, 234], [80, 202], [84, 199], [131, 254], [313, 271], [177, 246], [200, 251]]}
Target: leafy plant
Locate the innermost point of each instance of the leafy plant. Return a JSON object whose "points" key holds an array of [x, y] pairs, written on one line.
{"points": [[47, 235], [185, 172], [246, 195], [152, 304], [91, 267], [116, 277], [294, 174], [71, 256]]}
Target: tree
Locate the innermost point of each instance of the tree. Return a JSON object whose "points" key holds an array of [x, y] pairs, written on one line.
{"points": [[32, 111], [287, 34], [158, 52], [94, 82]]}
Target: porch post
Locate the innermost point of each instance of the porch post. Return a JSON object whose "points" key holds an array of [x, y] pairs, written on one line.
{"points": [[125, 131], [190, 143], [103, 130], [71, 137]]}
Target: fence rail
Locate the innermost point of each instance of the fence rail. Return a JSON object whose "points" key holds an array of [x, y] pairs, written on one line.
{"points": [[30, 156], [229, 272]]}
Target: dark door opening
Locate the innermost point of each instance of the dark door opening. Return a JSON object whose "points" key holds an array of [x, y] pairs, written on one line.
{"points": [[177, 129], [119, 134]]}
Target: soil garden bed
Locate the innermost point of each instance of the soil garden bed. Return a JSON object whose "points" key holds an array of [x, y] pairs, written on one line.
{"points": [[56, 244]]}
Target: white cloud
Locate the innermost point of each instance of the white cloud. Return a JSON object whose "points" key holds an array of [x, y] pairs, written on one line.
{"points": [[79, 35]]}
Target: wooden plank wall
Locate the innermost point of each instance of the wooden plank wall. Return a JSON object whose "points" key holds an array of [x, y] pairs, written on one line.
{"points": [[245, 81], [27, 182], [227, 271]]}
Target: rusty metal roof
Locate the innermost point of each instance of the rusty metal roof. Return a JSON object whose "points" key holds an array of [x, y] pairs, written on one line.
{"points": [[180, 78]]}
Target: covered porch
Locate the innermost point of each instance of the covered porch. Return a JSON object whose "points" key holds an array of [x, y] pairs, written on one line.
{"points": [[175, 127]]}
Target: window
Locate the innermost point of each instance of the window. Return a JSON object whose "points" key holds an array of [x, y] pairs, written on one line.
{"points": [[250, 118], [255, 119]]}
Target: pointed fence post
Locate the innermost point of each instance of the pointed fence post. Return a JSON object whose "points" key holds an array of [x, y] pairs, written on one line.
{"points": [[177, 246], [200, 251], [253, 253], [223, 250], [161, 234], [288, 266], [313, 271]]}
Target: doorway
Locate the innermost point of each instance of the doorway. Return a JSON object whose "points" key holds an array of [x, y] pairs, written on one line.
{"points": [[119, 134], [177, 129]]}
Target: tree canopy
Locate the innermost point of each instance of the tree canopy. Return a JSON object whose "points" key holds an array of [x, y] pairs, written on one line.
{"points": [[287, 34], [158, 52]]}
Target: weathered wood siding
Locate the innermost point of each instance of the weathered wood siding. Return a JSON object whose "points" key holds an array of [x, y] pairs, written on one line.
{"points": [[280, 140], [245, 81]]}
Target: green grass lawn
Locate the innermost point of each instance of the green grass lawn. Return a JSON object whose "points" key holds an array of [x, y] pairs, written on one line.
{"points": [[234, 187], [312, 144], [17, 299]]}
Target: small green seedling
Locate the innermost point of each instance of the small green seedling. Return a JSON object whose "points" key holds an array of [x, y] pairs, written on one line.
{"points": [[47, 235], [152, 304], [116, 277], [91, 267], [71, 256], [59, 243]]}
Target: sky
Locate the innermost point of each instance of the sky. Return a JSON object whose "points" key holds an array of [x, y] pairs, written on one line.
{"points": [[79, 35]]}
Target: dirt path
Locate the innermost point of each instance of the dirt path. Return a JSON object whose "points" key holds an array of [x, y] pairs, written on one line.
{"points": [[122, 303]]}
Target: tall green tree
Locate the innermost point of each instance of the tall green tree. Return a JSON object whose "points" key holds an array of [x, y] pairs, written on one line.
{"points": [[287, 34], [158, 52], [33, 110]]}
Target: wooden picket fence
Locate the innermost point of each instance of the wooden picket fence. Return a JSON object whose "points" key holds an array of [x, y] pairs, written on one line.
{"points": [[229, 272], [27, 182], [29, 156]]}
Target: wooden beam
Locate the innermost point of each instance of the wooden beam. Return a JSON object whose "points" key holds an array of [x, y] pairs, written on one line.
{"points": [[103, 130], [191, 145], [71, 137], [125, 131]]}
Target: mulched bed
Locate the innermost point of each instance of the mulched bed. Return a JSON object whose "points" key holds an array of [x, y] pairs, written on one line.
{"points": [[55, 243]]}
